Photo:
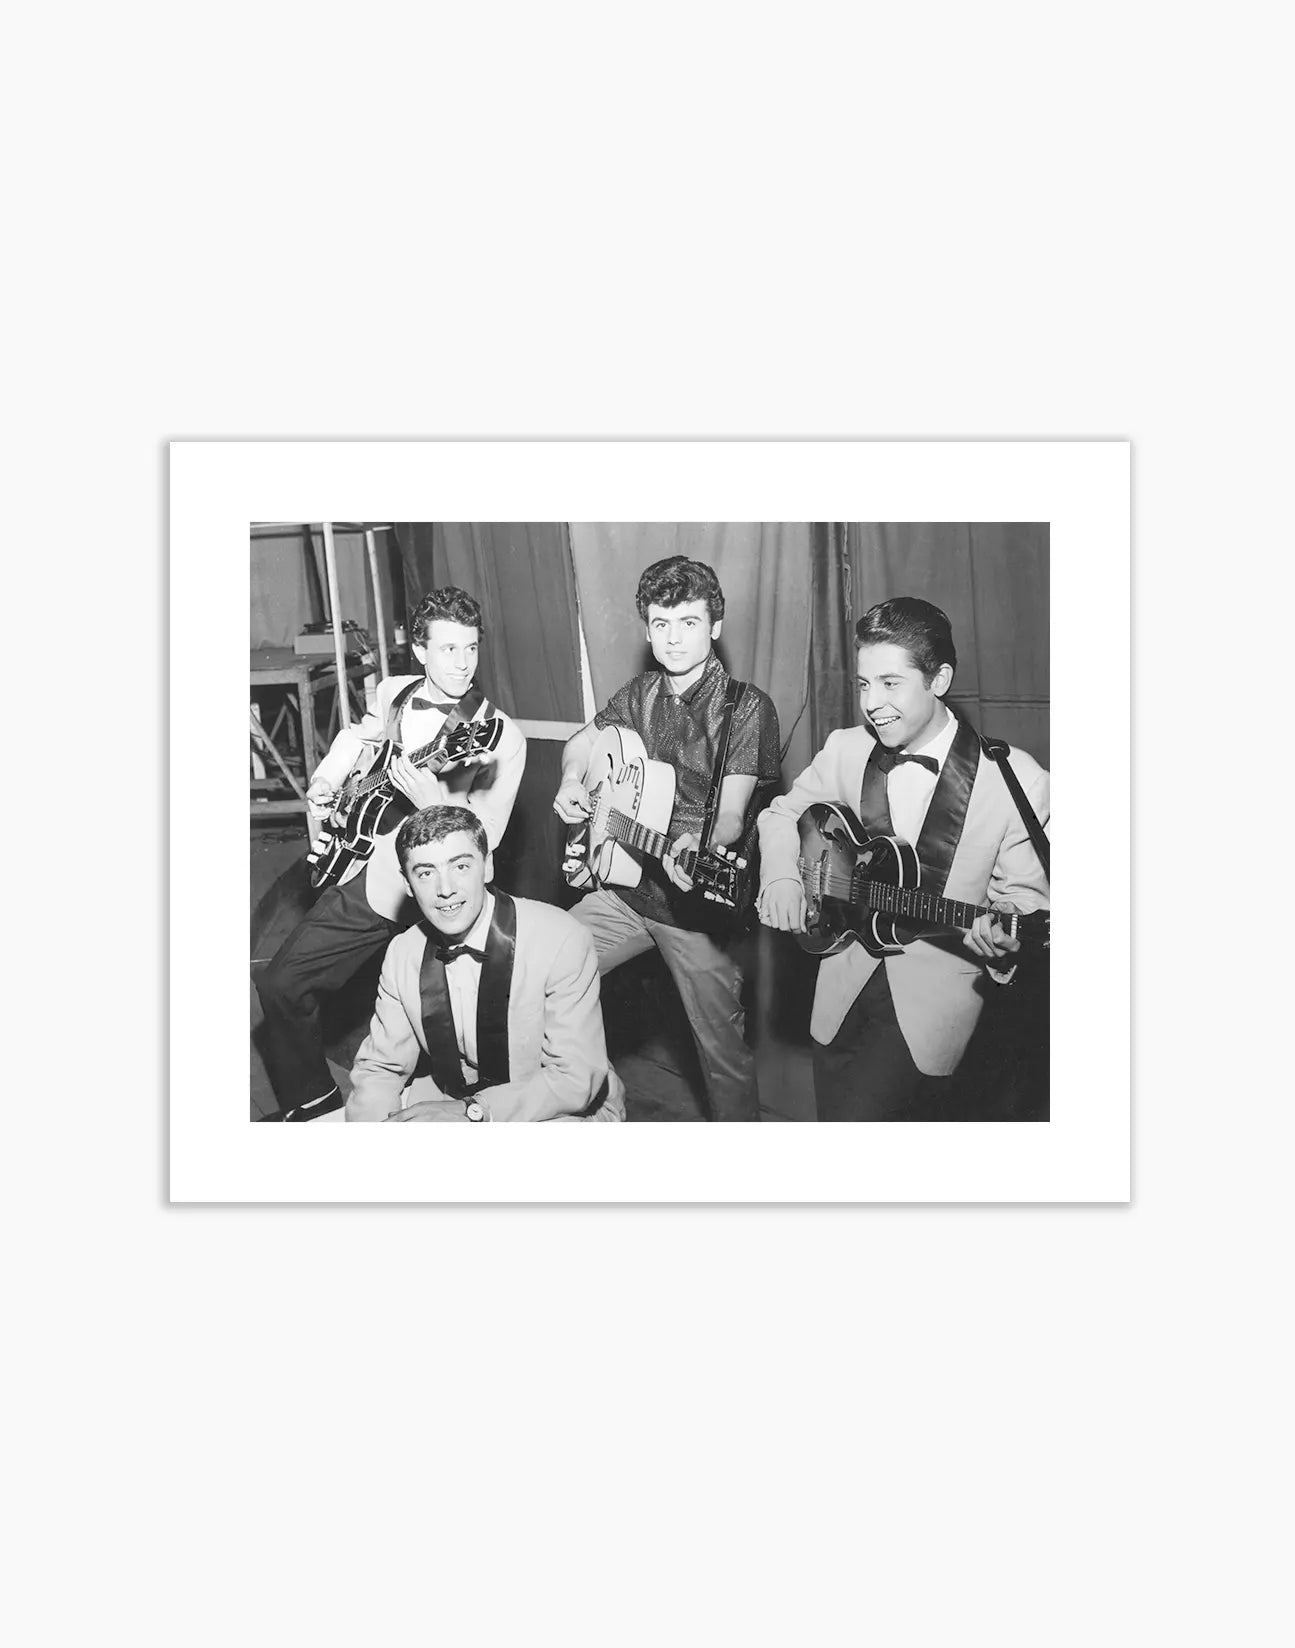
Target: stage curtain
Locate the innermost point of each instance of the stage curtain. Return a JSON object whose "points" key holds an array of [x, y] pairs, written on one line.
{"points": [[831, 659], [521, 574], [992, 580], [764, 569]]}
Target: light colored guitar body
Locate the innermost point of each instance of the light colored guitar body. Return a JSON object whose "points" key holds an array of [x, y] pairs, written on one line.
{"points": [[620, 777]]}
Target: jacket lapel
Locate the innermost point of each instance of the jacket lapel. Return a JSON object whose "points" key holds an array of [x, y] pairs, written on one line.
{"points": [[947, 813], [494, 992]]}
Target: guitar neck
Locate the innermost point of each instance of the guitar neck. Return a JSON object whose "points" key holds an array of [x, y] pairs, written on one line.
{"points": [[426, 757], [913, 904], [630, 833]]}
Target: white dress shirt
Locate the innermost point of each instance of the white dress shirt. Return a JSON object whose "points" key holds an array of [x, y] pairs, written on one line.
{"points": [[910, 786], [463, 976]]}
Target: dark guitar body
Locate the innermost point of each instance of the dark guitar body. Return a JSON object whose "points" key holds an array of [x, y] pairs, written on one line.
{"points": [[833, 846], [354, 839], [367, 806]]}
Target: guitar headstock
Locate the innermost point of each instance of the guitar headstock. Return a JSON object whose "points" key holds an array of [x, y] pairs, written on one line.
{"points": [[720, 876], [470, 741], [1035, 929]]}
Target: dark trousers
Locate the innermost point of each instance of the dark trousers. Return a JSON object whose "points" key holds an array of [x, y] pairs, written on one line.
{"points": [[867, 1074], [321, 953]]}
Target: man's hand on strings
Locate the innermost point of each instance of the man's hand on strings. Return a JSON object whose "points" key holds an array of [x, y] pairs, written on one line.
{"points": [[687, 842], [989, 938], [782, 906], [319, 798], [571, 803], [419, 786]]}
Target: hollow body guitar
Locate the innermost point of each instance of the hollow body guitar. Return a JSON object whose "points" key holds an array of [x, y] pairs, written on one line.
{"points": [[869, 888], [632, 799], [360, 808]]}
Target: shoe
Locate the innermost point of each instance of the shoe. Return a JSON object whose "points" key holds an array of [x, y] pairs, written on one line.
{"points": [[314, 1108]]}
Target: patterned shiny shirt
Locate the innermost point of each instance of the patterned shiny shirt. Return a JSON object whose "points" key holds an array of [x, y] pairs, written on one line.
{"points": [[683, 730]]}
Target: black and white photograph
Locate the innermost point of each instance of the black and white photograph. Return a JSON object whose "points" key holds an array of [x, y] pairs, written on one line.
{"points": [[659, 820], [654, 822]]}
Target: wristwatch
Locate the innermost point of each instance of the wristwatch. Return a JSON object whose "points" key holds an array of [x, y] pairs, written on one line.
{"points": [[474, 1112]]}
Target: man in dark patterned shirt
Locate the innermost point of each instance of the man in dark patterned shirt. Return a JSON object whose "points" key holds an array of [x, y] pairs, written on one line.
{"points": [[678, 710]]}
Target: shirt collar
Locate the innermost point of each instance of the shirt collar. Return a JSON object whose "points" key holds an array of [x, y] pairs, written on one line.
{"points": [[480, 929], [939, 746], [713, 666]]}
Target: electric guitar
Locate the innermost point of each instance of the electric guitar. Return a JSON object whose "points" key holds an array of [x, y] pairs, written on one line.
{"points": [[632, 799], [354, 821], [869, 889]]}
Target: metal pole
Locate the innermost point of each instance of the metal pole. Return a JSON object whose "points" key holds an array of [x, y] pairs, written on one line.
{"points": [[339, 641], [379, 616]]}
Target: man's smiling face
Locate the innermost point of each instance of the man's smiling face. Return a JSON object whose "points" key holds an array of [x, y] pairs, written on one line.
{"points": [[448, 880], [902, 709]]}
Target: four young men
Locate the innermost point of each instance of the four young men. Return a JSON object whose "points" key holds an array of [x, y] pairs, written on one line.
{"points": [[497, 998]]}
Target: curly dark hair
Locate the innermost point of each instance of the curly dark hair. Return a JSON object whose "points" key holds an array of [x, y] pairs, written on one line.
{"points": [[671, 582], [450, 602], [435, 824], [921, 629]]}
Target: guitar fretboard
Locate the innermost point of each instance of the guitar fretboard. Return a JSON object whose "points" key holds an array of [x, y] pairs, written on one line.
{"points": [[630, 833], [422, 757], [913, 903]]}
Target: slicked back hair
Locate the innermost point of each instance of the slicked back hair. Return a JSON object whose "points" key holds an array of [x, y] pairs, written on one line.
{"points": [[921, 629], [450, 603], [434, 824], [671, 582]]}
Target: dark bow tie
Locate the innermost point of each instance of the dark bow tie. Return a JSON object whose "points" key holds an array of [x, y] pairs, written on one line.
{"points": [[888, 759], [451, 952], [430, 704]]}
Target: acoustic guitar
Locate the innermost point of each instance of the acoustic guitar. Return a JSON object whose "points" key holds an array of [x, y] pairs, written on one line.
{"points": [[632, 798], [355, 819], [869, 888]]}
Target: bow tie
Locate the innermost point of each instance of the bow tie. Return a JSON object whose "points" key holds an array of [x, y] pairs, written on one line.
{"points": [[451, 952], [430, 704], [888, 759]]}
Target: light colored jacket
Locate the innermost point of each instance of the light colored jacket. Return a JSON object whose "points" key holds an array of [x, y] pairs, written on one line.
{"points": [[557, 1052], [937, 985]]}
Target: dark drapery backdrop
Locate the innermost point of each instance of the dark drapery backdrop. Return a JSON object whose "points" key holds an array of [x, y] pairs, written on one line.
{"points": [[992, 580], [764, 568], [522, 575]]}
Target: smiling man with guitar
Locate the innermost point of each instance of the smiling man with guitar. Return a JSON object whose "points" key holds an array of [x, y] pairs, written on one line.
{"points": [[671, 818], [930, 877], [431, 739]]}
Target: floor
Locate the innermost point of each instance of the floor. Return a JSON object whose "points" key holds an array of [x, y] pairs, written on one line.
{"points": [[647, 1033]]}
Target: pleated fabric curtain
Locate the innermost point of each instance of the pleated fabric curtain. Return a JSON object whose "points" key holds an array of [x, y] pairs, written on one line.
{"points": [[521, 573], [765, 569], [992, 580]]}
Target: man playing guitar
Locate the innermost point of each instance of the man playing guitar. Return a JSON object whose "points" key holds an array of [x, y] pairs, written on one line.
{"points": [[352, 921], [678, 711], [889, 1033]]}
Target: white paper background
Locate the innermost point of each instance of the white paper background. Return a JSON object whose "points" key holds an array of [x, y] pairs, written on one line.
{"points": [[1082, 489], [485, 1425]]}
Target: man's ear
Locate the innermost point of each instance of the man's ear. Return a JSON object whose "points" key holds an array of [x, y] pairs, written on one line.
{"points": [[490, 868], [942, 680], [715, 629], [420, 652]]}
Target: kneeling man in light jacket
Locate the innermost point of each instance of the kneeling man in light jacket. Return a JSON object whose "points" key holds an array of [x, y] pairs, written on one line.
{"points": [[499, 993]]}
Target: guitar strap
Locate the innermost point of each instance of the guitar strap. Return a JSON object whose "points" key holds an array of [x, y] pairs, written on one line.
{"points": [[493, 993], [997, 751], [732, 698], [465, 710]]}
